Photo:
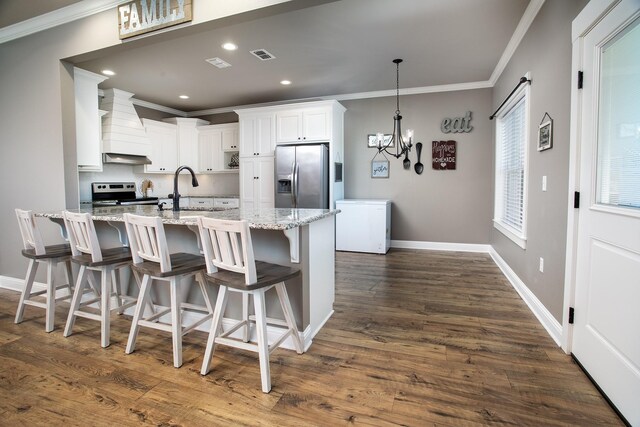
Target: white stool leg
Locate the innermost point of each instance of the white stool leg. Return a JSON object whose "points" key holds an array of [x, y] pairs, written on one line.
{"points": [[69, 275], [245, 317], [137, 315], [176, 323], [218, 314], [117, 289], [75, 301], [281, 289], [263, 344], [26, 292], [51, 298], [105, 306]]}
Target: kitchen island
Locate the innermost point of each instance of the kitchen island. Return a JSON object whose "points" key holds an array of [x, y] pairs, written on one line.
{"points": [[300, 238]]}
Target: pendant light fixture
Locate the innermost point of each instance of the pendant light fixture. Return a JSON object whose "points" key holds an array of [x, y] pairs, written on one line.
{"points": [[402, 142]]}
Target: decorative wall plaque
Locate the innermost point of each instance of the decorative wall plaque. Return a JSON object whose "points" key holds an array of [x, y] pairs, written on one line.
{"points": [[443, 154], [142, 16], [457, 124]]}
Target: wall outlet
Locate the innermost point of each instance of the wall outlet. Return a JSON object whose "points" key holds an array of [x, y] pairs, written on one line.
{"points": [[544, 183], [541, 265]]}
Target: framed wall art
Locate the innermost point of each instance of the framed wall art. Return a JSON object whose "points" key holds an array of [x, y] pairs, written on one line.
{"points": [[545, 133], [380, 168]]}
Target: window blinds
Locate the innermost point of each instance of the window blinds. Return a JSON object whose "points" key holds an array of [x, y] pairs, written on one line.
{"points": [[510, 167]]}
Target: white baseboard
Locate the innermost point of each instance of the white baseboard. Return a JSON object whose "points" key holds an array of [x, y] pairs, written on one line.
{"points": [[553, 327], [17, 285], [440, 246]]}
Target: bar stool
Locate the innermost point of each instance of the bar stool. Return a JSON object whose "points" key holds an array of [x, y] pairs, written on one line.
{"points": [[37, 252], [227, 246], [151, 257], [90, 257]]}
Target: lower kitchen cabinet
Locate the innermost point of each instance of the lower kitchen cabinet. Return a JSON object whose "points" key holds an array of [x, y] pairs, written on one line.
{"points": [[256, 182]]}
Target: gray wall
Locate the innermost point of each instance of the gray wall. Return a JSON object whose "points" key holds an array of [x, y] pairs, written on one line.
{"points": [[545, 51], [437, 206]]}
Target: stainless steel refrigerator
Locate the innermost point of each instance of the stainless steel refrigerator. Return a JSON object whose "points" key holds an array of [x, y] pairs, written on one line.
{"points": [[302, 176]]}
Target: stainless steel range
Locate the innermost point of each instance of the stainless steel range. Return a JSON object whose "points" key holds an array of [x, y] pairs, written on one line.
{"points": [[118, 194]]}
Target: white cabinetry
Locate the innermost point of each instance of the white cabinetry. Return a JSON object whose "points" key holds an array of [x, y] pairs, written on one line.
{"points": [[216, 145], [257, 134], [187, 139], [88, 120], [163, 138], [256, 182], [262, 128], [303, 125], [226, 202]]}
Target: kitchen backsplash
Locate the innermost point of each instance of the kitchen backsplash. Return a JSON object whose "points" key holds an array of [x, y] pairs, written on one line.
{"points": [[218, 184]]}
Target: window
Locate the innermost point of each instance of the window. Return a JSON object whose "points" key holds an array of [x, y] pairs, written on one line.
{"points": [[512, 142]]}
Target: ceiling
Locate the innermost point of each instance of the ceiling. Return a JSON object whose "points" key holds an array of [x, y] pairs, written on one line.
{"points": [[332, 48]]}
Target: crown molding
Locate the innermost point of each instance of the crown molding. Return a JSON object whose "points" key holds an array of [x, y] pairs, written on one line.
{"points": [[523, 26], [159, 107], [350, 96], [61, 16]]}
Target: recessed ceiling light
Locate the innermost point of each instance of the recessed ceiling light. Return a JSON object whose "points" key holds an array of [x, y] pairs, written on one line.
{"points": [[108, 73], [184, 96], [230, 46], [285, 82]]}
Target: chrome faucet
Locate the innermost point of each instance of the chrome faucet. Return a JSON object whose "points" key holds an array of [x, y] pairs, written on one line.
{"points": [[176, 195]]}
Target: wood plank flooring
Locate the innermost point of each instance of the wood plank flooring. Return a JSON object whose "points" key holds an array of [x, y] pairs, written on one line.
{"points": [[418, 338]]}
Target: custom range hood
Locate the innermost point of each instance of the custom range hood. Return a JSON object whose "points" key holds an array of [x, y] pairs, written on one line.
{"points": [[125, 159], [124, 139]]}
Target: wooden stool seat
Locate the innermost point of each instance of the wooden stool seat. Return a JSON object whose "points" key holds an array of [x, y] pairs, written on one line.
{"points": [[152, 259], [267, 275], [181, 263], [37, 252], [228, 251], [109, 256], [88, 254], [53, 251]]}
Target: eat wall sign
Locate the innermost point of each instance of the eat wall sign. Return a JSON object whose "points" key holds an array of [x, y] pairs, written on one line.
{"points": [[457, 124], [142, 16]]}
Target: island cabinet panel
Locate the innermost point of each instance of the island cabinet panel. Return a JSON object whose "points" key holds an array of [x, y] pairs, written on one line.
{"points": [[256, 183], [304, 125], [163, 138]]}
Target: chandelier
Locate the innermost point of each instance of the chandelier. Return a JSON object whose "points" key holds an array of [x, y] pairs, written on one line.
{"points": [[402, 143]]}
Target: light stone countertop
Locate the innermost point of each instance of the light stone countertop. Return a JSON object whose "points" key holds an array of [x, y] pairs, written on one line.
{"points": [[266, 219]]}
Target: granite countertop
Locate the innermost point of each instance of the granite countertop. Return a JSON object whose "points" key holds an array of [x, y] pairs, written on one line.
{"points": [[207, 196], [266, 219]]}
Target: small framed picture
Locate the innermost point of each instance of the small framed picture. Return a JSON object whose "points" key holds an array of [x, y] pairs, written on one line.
{"points": [[372, 141], [545, 135], [380, 168]]}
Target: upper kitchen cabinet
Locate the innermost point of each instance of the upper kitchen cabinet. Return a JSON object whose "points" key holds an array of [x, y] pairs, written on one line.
{"points": [[88, 120], [216, 145], [257, 133], [187, 139], [163, 138], [122, 130], [303, 125]]}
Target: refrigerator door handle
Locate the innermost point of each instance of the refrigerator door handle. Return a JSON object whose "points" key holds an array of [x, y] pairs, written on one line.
{"points": [[294, 184]]}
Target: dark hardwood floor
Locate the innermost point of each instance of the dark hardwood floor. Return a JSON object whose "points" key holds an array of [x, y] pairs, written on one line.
{"points": [[418, 338]]}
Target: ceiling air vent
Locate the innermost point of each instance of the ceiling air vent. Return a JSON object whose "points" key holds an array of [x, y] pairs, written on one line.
{"points": [[262, 54], [217, 62]]}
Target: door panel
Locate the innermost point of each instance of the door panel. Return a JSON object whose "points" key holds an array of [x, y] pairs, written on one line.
{"points": [[312, 180], [607, 286]]}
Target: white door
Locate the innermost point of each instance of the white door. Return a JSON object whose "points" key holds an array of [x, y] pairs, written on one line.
{"points": [[248, 174], [265, 193], [606, 335]]}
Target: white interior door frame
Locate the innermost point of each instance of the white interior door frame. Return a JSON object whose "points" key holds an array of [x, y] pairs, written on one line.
{"points": [[592, 13]]}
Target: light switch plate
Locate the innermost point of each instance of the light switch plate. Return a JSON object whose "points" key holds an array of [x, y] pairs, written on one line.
{"points": [[544, 183], [541, 265]]}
